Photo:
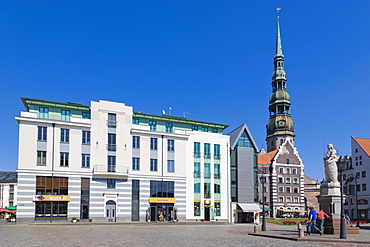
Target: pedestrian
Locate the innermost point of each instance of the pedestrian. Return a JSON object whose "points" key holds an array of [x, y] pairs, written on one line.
{"points": [[348, 219], [320, 219], [311, 221]]}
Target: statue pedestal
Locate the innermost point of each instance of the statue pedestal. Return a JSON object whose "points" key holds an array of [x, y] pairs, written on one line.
{"points": [[332, 226]]}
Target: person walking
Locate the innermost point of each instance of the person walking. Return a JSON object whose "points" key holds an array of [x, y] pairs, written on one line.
{"points": [[320, 219], [311, 221]]}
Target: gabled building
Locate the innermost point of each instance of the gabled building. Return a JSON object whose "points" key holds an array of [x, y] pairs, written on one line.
{"points": [[8, 189], [243, 175]]}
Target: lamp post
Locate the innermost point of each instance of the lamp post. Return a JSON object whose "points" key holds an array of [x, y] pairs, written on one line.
{"points": [[352, 177], [263, 181], [343, 234]]}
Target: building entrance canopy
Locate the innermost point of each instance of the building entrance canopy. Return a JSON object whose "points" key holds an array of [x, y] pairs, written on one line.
{"points": [[249, 207]]}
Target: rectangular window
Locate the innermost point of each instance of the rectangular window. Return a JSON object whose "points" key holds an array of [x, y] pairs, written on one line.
{"points": [[207, 150], [136, 142], [135, 121], [287, 189], [41, 158], [217, 171], [169, 127], [196, 169], [66, 115], [287, 180], [195, 128], [217, 154], [136, 164], [41, 133], [363, 174], [196, 208], [85, 137], [112, 120], [288, 199], [64, 158], [204, 129], [294, 170], [295, 180], [153, 165], [196, 149], [281, 199], [363, 187], [111, 163], [112, 142], [207, 170], [44, 113], [196, 187], [207, 190], [11, 187], [86, 115], [164, 189], [85, 161], [214, 130], [280, 180], [281, 189], [170, 166], [264, 170], [153, 143], [51, 185], [295, 190], [288, 171], [296, 199], [64, 135], [111, 183], [171, 145], [281, 170], [217, 188], [358, 187], [153, 125], [135, 200], [357, 175]]}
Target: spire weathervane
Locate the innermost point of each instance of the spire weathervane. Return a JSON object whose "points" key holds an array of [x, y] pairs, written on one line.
{"points": [[277, 10]]}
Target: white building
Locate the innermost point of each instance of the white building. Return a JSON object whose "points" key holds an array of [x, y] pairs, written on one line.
{"points": [[8, 188], [107, 163]]}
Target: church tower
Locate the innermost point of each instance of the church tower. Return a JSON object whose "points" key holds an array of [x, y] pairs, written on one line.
{"points": [[280, 125]]}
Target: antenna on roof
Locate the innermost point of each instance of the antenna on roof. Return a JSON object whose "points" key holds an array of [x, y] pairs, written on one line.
{"points": [[169, 110], [184, 114], [163, 112]]}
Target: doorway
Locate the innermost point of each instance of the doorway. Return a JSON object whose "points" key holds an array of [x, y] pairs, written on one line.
{"points": [[207, 214], [166, 209], [110, 211]]}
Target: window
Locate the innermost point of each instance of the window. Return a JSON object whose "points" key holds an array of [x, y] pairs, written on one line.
{"points": [[85, 161], [85, 137], [171, 145], [153, 125], [111, 183], [196, 149], [112, 120], [64, 157], [296, 199], [214, 130], [112, 142], [287, 180], [360, 157], [357, 175], [295, 180], [281, 170], [207, 170], [86, 115], [363, 174], [11, 187], [217, 188], [170, 166], [288, 199], [264, 189], [165, 189], [196, 169], [196, 208], [64, 135], [218, 208], [196, 187], [136, 142], [195, 128], [169, 127], [204, 129], [44, 186], [281, 199], [294, 170], [41, 133], [217, 151], [153, 165], [356, 158], [295, 190], [153, 143], [264, 170], [207, 190], [43, 113], [111, 163], [41, 158], [356, 163], [207, 150], [281, 189], [344, 177], [358, 187], [287, 189], [356, 150], [66, 115], [288, 171], [363, 187], [136, 164], [361, 163], [135, 121], [217, 172], [280, 180]]}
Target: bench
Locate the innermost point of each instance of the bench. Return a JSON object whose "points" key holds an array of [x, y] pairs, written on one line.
{"points": [[289, 222]]}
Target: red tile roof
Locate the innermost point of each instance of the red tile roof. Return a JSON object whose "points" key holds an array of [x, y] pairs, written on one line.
{"points": [[265, 159], [364, 143]]}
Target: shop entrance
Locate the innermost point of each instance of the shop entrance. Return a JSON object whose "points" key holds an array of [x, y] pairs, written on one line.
{"points": [[165, 209], [53, 210], [111, 211], [207, 213]]}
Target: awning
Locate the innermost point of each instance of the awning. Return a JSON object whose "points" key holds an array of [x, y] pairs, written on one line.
{"points": [[291, 210], [249, 207], [267, 209], [12, 207]]}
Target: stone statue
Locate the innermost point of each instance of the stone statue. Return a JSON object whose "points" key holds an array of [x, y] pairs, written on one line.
{"points": [[330, 161]]}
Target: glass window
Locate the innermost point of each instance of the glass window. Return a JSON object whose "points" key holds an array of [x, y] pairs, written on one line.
{"points": [[288, 171], [85, 161], [86, 115], [288, 199], [264, 170], [41, 133], [295, 190], [64, 135], [153, 143], [296, 199], [85, 137], [196, 149], [171, 145], [287, 180], [111, 163], [214, 130], [281, 170], [195, 128], [204, 129], [217, 174], [207, 170], [207, 150], [196, 169], [294, 170], [111, 183], [295, 180], [169, 127], [281, 189], [217, 188], [43, 113], [135, 121], [244, 141], [217, 151], [66, 115], [41, 158], [112, 142], [136, 164], [136, 142], [363, 174], [280, 180], [153, 125], [363, 187], [153, 165], [64, 157], [207, 190], [196, 187], [170, 166], [287, 189], [196, 208], [112, 120], [281, 199]]}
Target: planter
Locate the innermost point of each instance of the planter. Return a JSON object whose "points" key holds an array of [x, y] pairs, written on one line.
{"points": [[74, 221]]}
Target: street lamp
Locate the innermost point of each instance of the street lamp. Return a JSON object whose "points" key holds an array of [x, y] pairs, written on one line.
{"points": [[343, 234], [263, 181], [350, 178]]}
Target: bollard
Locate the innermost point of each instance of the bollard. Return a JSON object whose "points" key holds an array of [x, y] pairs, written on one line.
{"points": [[255, 228], [300, 230]]}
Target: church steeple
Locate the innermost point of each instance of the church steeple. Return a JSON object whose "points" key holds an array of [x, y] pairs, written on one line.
{"points": [[280, 123]]}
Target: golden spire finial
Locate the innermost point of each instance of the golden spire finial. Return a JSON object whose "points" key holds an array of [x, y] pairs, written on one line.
{"points": [[277, 10]]}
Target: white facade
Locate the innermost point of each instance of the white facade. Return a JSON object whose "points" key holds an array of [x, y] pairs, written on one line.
{"points": [[121, 153]]}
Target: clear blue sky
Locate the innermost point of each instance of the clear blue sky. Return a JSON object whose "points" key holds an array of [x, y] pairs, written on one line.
{"points": [[212, 59]]}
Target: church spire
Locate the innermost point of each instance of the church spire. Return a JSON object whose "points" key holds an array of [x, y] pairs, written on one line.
{"points": [[280, 123]]}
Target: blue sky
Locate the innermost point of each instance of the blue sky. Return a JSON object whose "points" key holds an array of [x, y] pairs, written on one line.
{"points": [[212, 59]]}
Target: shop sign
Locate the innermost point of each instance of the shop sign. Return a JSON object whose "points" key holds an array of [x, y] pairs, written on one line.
{"points": [[162, 200], [51, 198], [37, 198]]}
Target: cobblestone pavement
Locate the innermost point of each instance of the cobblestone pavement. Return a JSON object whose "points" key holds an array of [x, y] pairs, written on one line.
{"points": [[136, 235]]}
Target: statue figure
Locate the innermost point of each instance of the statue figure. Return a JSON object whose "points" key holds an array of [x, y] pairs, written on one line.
{"points": [[330, 161]]}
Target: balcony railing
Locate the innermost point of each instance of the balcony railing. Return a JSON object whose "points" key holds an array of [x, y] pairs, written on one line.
{"points": [[207, 175], [217, 175], [197, 174], [110, 171], [111, 147], [207, 155], [112, 123], [196, 154], [207, 194], [217, 156]]}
